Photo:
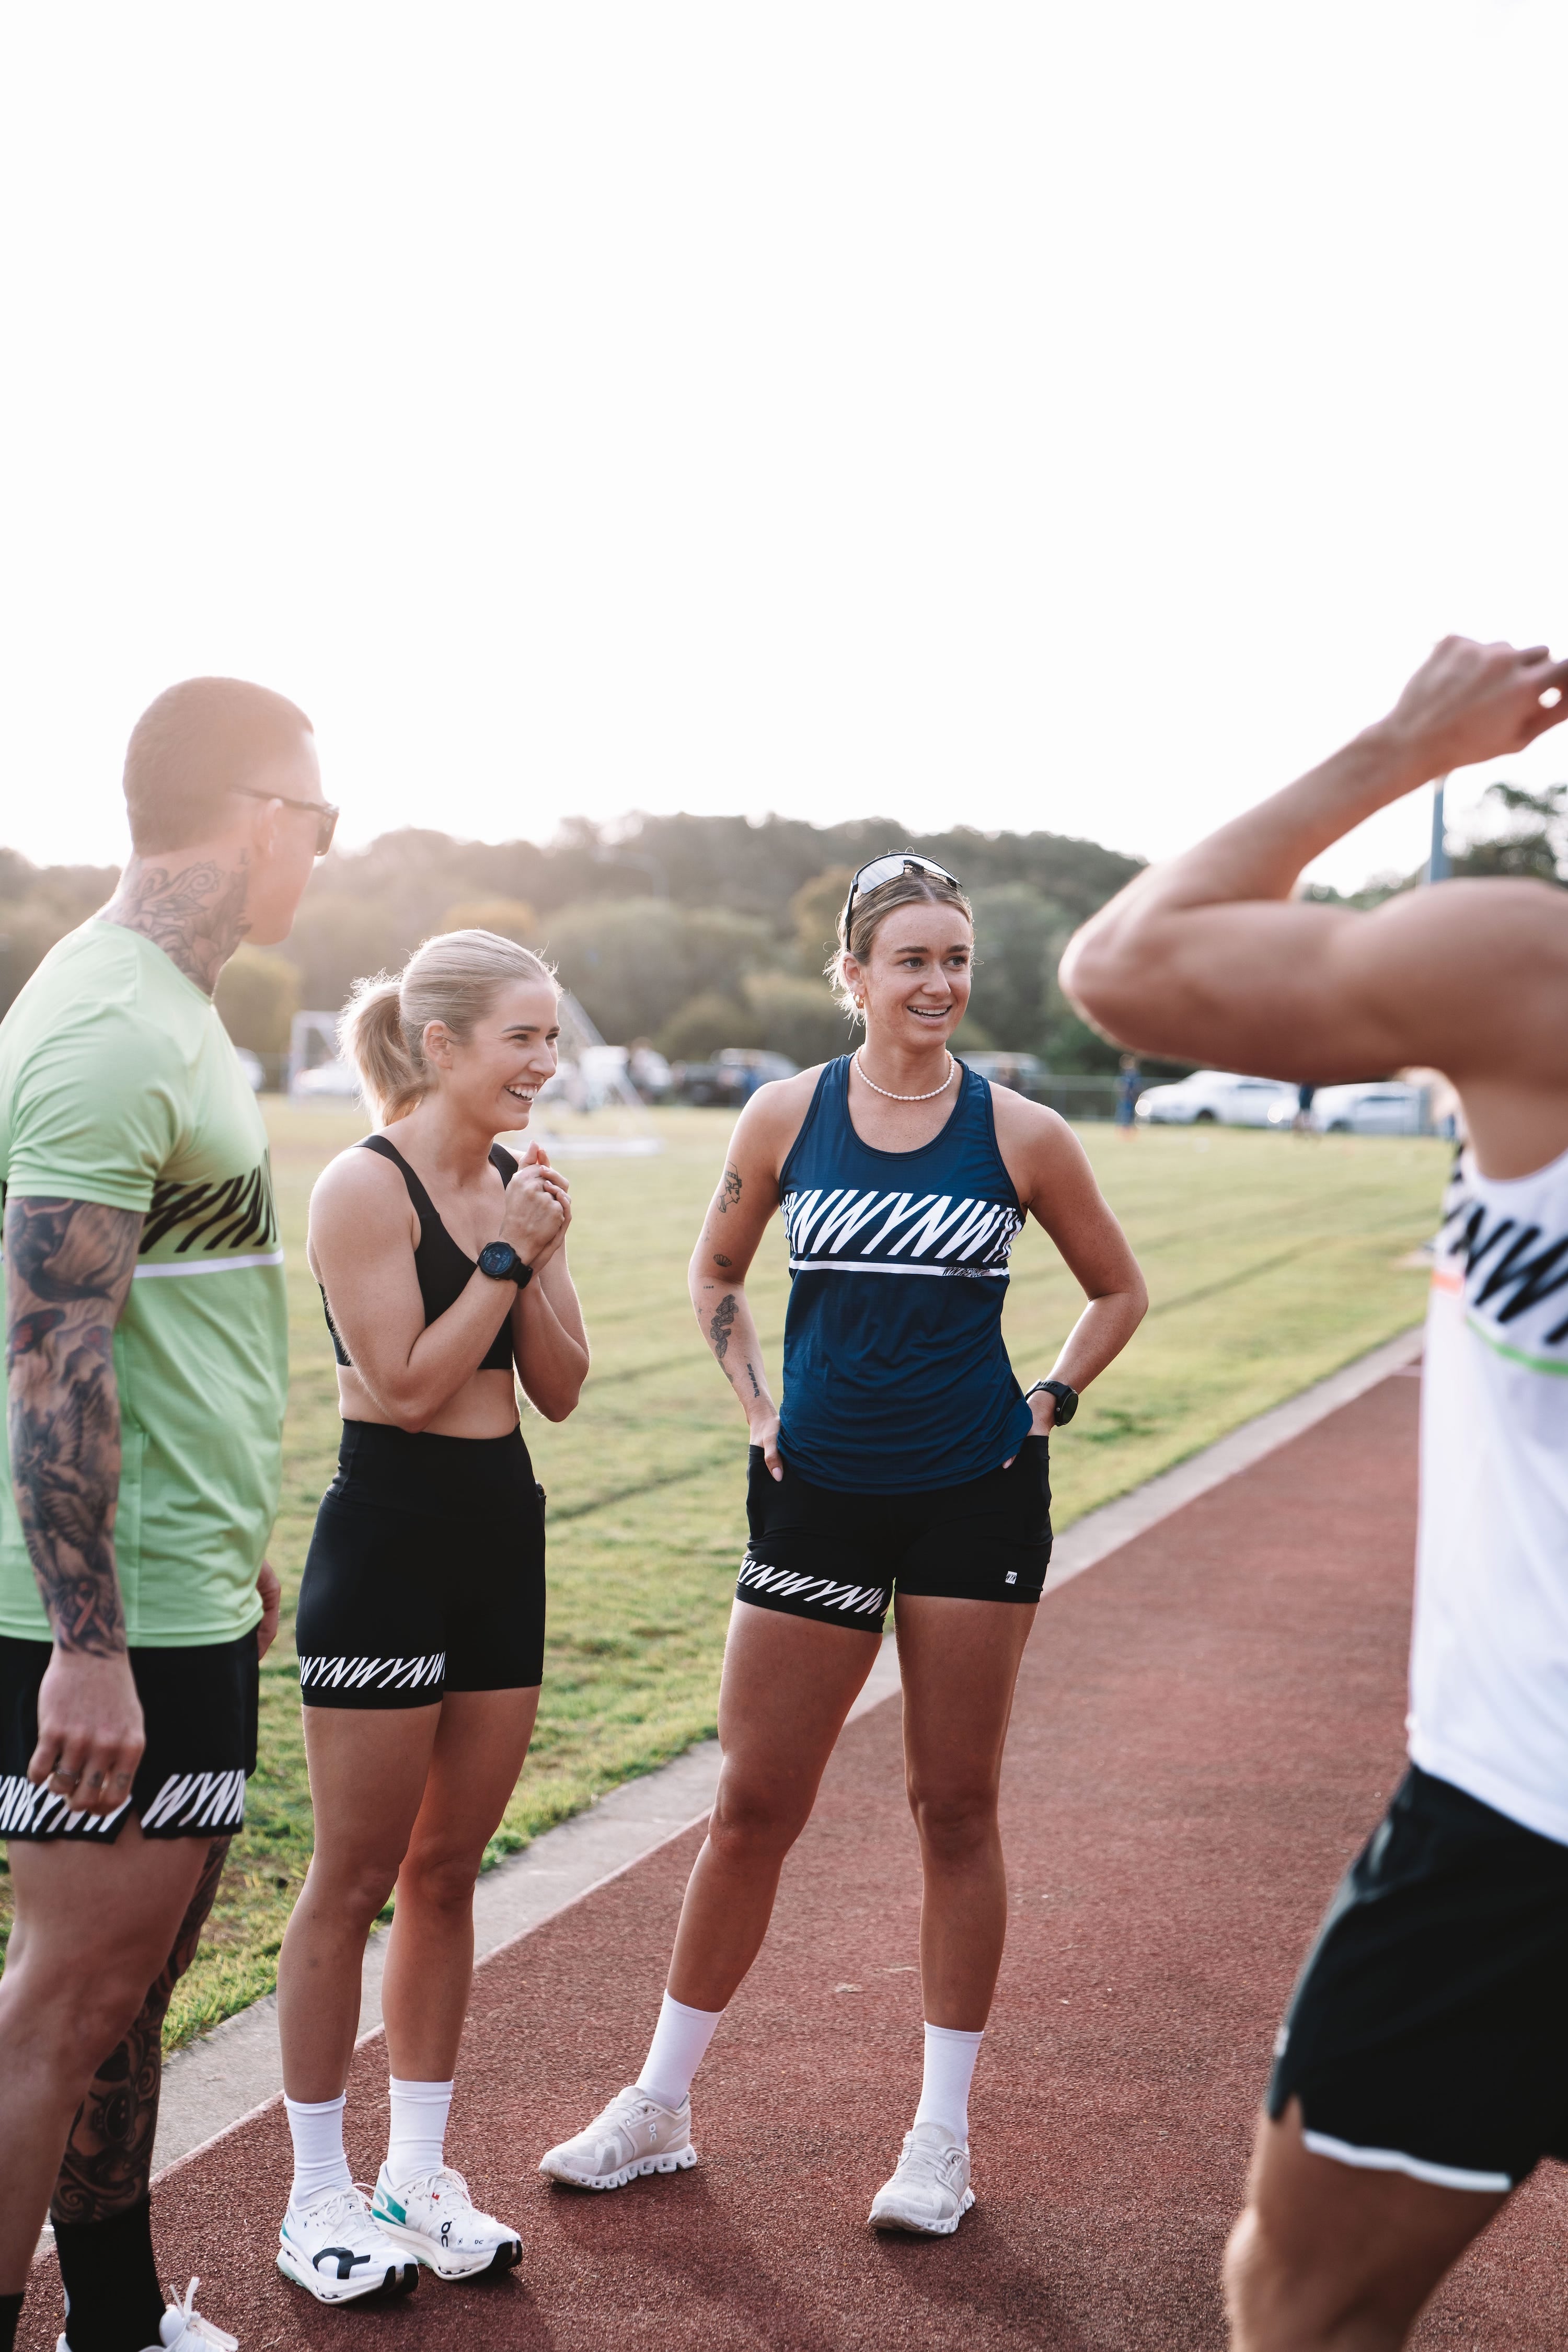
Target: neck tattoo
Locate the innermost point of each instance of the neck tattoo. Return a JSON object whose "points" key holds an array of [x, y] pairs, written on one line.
{"points": [[194, 913], [889, 1095]]}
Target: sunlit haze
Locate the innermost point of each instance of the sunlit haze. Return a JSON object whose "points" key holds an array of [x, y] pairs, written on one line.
{"points": [[1015, 415]]}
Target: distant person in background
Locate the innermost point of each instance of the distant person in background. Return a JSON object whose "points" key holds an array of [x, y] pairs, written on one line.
{"points": [[442, 1262], [1422, 2072], [1129, 1084], [147, 1354], [1306, 1093], [907, 1457]]}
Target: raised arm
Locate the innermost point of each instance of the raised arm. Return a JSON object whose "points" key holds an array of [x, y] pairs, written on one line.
{"points": [[1208, 957], [68, 1272], [737, 1218]]}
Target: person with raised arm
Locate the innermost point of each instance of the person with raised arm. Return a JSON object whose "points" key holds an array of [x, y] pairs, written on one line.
{"points": [[147, 1369], [1422, 2070], [907, 1460], [420, 1631]]}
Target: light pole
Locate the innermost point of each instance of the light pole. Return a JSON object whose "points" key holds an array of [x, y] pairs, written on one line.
{"points": [[1437, 866]]}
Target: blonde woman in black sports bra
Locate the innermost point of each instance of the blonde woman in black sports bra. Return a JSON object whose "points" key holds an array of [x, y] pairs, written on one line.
{"points": [[442, 1262]]}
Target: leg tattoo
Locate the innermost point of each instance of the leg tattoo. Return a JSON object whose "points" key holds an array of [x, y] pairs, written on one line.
{"points": [[108, 2156]]}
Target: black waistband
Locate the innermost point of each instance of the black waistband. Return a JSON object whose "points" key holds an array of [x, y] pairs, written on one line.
{"points": [[422, 1470]]}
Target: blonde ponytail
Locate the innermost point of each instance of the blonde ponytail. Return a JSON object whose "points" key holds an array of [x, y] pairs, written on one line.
{"points": [[453, 978], [370, 1035]]}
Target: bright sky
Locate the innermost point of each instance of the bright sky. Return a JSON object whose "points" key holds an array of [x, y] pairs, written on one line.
{"points": [[1011, 411]]}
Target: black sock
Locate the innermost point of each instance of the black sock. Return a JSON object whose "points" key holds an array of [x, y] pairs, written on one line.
{"points": [[113, 2300], [10, 2312]]}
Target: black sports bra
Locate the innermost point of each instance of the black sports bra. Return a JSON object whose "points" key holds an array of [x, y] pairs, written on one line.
{"points": [[443, 1270]]}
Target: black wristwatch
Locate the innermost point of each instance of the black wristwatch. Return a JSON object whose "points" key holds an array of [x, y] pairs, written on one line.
{"points": [[502, 1264], [1066, 1399]]}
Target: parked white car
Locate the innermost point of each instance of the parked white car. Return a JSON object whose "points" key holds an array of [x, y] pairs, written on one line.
{"points": [[334, 1081], [1219, 1099], [1386, 1109]]}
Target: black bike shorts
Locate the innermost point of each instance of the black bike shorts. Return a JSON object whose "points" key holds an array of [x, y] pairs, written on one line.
{"points": [[199, 1709], [425, 1571], [838, 1557], [1428, 2034]]}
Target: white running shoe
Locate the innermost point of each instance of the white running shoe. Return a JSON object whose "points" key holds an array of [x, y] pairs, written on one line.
{"points": [[183, 2329], [633, 2136], [931, 2189], [335, 2250], [434, 2219]]}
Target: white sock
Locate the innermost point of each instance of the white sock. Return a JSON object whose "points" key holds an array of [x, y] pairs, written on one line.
{"points": [[680, 2042], [316, 2127], [416, 2144], [944, 2086]]}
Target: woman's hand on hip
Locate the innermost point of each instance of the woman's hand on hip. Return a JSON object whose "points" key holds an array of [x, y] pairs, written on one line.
{"points": [[1043, 1420]]}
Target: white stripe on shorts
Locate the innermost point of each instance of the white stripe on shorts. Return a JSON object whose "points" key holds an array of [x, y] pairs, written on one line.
{"points": [[1392, 2159]]}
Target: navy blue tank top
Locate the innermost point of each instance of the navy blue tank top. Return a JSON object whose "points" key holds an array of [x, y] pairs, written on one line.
{"points": [[895, 1376]]}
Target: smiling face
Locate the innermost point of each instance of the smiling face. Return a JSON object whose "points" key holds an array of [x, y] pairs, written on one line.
{"points": [[915, 979], [493, 1075]]}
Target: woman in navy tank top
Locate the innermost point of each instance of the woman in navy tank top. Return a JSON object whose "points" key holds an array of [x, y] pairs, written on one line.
{"points": [[907, 1457]]}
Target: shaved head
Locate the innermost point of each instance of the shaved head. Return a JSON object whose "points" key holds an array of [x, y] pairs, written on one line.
{"points": [[197, 743]]}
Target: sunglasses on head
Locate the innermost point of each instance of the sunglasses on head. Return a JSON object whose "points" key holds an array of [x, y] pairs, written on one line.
{"points": [[325, 815], [886, 869]]}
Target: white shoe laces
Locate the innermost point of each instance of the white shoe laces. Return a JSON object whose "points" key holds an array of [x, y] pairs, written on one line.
{"points": [[338, 2208], [201, 2330], [929, 2161], [621, 2115], [445, 2182]]}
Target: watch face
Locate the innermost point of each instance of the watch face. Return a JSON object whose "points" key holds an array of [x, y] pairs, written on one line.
{"points": [[497, 1259]]}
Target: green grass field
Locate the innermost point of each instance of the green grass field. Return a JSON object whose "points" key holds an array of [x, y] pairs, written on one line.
{"points": [[1271, 1261]]}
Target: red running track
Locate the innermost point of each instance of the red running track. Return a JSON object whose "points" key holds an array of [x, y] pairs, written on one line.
{"points": [[1207, 1725]]}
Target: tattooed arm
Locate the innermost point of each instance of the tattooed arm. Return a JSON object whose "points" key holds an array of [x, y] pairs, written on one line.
{"points": [[737, 1218], [67, 1271]]}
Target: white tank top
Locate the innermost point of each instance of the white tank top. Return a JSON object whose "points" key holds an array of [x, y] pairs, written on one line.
{"points": [[1488, 1668]]}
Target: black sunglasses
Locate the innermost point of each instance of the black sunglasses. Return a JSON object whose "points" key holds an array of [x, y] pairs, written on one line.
{"points": [[325, 815], [892, 863]]}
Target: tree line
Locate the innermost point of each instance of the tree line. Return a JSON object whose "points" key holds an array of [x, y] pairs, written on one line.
{"points": [[693, 932], [700, 932]]}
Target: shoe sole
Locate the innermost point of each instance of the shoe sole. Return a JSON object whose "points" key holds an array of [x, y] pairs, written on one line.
{"points": [[680, 2159], [876, 2221], [402, 2279], [478, 2264]]}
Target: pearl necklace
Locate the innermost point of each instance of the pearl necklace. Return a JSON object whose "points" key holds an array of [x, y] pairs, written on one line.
{"points": [[890, 1097]]}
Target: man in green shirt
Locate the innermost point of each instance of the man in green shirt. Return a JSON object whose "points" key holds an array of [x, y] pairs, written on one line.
{"points": [[147, 1370]]}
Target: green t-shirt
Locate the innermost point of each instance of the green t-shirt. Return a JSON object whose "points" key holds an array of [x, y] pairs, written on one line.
{"points": [[119, 1085]]}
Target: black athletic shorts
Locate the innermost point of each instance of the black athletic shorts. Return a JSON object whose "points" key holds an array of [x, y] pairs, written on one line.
{"points": [[1430, 2032], [199, 1709], [425, 1571], [836, 1558]]}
